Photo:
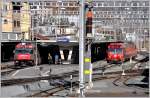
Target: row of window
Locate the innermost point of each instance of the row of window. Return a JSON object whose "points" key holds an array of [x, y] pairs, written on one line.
{"points": [[55, 3], [122, 16], [101, 14], [121, 3], [125, 21], [144, 9], [95, 3], [119, 16], [16, 23], [127, 24], [120, 12], [56, 12]]}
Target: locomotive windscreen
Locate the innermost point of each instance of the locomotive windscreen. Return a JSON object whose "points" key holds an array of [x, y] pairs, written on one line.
{"points": [[112, 50], [23, 51]]}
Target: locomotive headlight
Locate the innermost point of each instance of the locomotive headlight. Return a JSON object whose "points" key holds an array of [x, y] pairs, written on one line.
{"points": [[115, 55], [120, 56], [16, 61]]}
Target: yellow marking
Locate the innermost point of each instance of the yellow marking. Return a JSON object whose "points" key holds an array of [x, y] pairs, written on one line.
{"points": [[87, 59], [87, 72]]}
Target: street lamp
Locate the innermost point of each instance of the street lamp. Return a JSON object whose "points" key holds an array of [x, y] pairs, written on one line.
{"points": [[81, 48], [58, 3], [122, 29], [1, 13], [61, 10], [145, 31]]}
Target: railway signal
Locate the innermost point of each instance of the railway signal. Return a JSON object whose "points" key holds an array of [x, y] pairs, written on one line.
{"points": [[89, 16], [88, 41], [85, 56]]}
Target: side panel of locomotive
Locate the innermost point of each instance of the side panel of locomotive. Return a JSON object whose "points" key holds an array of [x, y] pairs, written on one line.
{"points": [[130, 50], [119, 52]]}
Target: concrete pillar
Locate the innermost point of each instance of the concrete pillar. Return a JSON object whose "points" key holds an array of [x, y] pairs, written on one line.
{"points": [[123, 69], [68, 61], [130, 59], [62, 54], [70, 54]]}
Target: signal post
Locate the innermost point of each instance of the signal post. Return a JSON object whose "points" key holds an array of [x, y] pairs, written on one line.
{"points": [[88, 41], [85, 66]]}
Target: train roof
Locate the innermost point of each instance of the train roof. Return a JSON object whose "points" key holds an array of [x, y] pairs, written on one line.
{"points": [[121, 44], [24, 45], [116, 44]]}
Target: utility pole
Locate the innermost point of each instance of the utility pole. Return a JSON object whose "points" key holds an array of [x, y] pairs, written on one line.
{"points": [[1, 4], [36, 43], [81, 49]]}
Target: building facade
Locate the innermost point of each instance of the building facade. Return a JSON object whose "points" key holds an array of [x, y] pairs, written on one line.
{"points": [[15, 21], [112, 19]]}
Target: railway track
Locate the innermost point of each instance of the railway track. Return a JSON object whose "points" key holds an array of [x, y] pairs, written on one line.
{"points": [[7, 69], [6, 65], [110, 75], [56, 89], [121, 80], [12, 68], [59, 76], [27, 80]]}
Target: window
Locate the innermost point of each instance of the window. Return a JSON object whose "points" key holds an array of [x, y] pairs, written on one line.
{"points": [[123, 3], [134, 3], [31, 3], [5, 21], [70, 4], [40, 3], [40, 7], [144, 3], [105, 4], [24, 51], [65, 4], [47, 3], [18, 23], [114, 50], [147, 3], [36, 3], [18, 3], [99, 4], [54, 3], [117, 3], [33, 7], [6, 8], [14, 23]]}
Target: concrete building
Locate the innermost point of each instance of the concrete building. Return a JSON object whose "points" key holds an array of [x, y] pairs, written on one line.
{"points": [[15, 21], [25, 20], [51, 16], [55, 18], [54, 21], [111, 17], [7, 18]]}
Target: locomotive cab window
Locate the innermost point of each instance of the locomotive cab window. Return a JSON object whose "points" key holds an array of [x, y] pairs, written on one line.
{"points": [[24, 51], [119, 50]]}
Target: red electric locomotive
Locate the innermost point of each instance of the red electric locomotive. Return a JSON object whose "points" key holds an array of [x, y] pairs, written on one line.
{"points": [[119, 52], [25, 53]]}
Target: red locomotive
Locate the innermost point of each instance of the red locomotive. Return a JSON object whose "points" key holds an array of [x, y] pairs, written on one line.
{"points": [[119, 52], [25, 53]]}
